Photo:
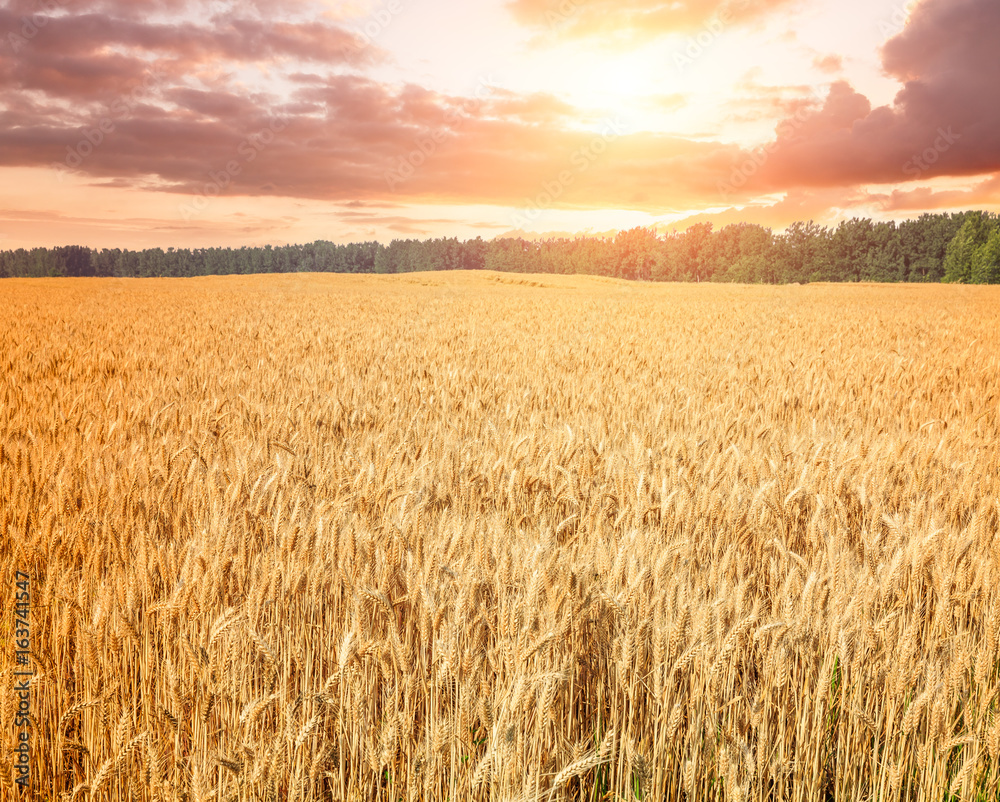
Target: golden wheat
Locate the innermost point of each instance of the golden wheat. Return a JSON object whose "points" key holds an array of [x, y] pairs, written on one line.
{"points": [[454, 537]]}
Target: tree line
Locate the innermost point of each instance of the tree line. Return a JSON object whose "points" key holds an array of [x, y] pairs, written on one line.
{"points": [[959, 247]]}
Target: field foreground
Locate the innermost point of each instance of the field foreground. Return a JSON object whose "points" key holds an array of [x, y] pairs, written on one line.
{"points": [[493, 537]]}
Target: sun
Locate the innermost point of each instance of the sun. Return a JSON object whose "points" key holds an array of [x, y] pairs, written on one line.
{"points": [[628, 86]]}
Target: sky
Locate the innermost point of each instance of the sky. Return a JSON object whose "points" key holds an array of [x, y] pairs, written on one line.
{"points": [[197, 123]]}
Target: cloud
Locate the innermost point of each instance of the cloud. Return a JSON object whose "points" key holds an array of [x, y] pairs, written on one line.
{"points": [[145, 9], [338, 137], [163, 104], [945, 121], [671, 102], [982, 193], [128, 231], [825, 206], [637, 18], [87, 55], [831, 63]]}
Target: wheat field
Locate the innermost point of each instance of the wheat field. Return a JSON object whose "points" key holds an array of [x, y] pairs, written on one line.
{"points": [[483, 537]]}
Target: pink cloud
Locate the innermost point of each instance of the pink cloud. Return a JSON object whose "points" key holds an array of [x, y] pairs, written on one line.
{"points": [[945, 121], [338, 135]]}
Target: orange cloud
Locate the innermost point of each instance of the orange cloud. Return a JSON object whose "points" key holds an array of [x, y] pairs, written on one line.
{"points": [[984, 193], [831, 63], [824, 206], [637, 18], [112, 96], [336, 137]]}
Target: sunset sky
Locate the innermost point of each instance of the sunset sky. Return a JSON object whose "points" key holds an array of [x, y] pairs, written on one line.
{"points": [[144, 123]]}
